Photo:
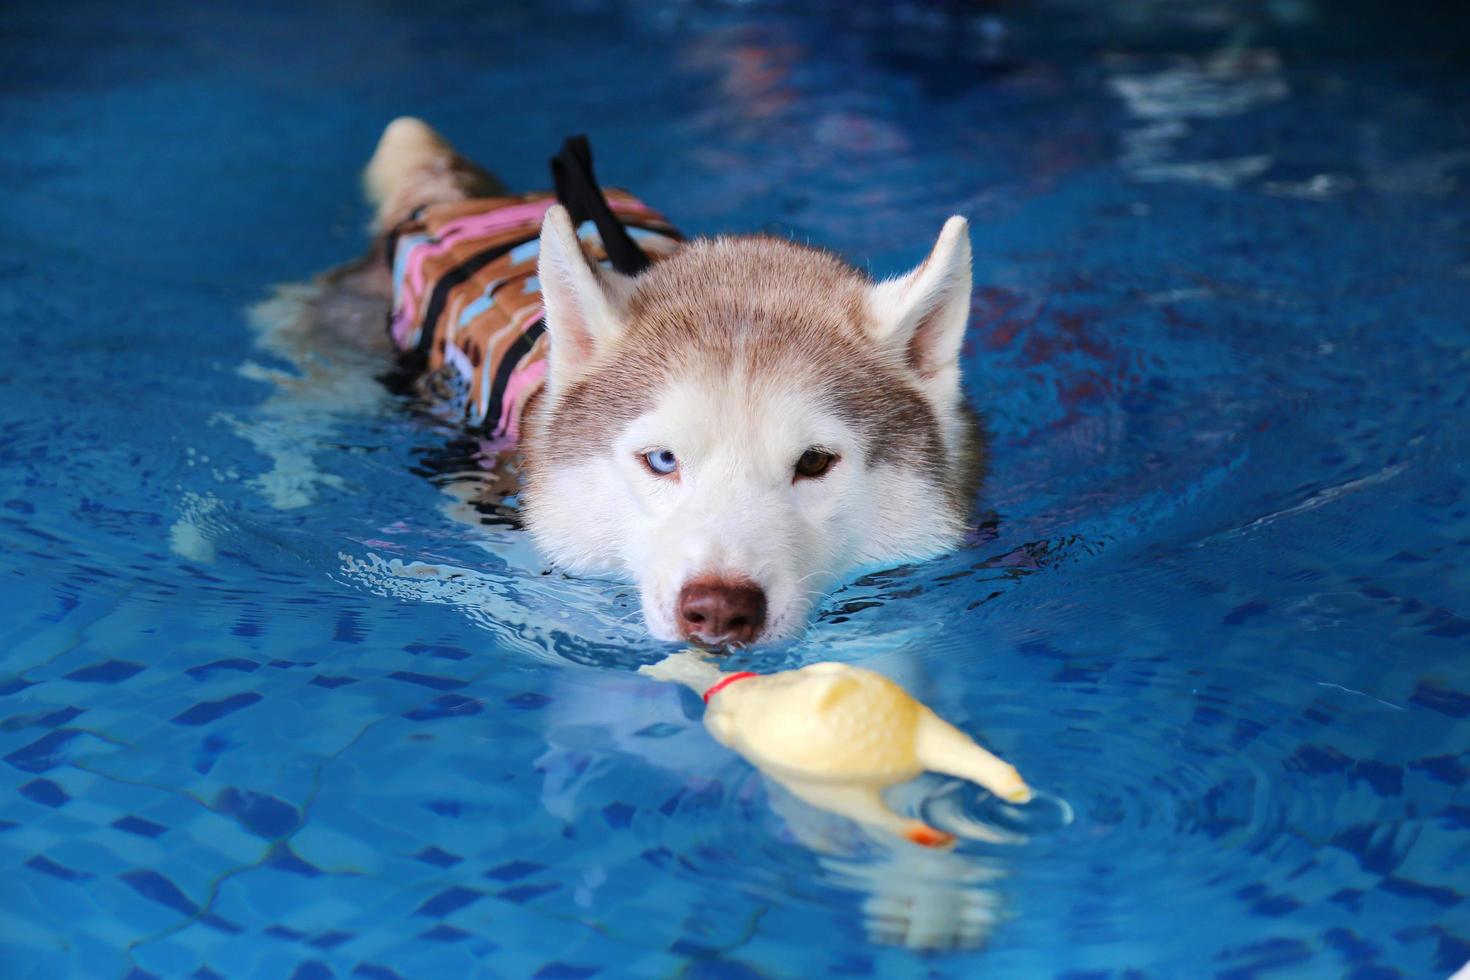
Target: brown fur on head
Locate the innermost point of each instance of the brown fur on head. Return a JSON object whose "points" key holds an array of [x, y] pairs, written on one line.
{"points": [[809, 321]]}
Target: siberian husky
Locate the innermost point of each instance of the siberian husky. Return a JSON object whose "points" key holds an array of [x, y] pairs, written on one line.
{"points": [[734, 428]]}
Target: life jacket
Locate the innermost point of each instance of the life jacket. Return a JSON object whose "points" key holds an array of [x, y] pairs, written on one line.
{"points": [[467, 317]]}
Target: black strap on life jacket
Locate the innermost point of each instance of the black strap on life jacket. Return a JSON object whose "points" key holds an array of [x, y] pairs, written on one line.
{"points": [[577, 190]]}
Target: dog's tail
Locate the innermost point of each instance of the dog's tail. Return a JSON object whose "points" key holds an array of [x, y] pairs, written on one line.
{"points": [[414, 166]]}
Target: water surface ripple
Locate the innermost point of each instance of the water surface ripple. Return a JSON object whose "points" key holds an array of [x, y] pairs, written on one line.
{"points": [[271, 706]]}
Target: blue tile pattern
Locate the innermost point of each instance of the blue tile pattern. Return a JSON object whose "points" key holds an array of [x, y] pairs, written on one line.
{"points": [[1216, 598]]}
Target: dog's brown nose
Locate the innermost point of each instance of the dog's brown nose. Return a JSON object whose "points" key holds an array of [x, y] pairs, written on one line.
{"points": [[719, 611]]}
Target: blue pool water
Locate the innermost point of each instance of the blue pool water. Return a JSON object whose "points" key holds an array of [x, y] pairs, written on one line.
{"points": [[269, 707]]}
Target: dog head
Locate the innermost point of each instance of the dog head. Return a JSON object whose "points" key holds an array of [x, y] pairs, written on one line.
{"points": [[748, 420]]}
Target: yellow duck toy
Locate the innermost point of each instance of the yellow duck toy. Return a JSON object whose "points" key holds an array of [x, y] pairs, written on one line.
{"points": [[836, 736]]}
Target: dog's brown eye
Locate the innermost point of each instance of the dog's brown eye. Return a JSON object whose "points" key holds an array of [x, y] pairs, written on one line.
{"points": [[814, 463]]}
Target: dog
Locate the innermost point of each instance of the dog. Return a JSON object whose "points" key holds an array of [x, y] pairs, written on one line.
{"points": [[735, 428]]}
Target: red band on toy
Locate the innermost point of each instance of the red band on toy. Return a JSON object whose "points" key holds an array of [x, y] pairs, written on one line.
{"points": [[726, 682], [929, 837]]}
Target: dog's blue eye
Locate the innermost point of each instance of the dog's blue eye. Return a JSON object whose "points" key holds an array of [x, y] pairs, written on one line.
{"points": [[661, 461]]}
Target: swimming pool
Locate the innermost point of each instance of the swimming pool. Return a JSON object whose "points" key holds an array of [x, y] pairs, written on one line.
{"points": [[269, 709]]}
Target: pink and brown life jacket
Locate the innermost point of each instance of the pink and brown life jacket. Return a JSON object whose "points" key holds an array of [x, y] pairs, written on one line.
{"points": [[467, 317]]}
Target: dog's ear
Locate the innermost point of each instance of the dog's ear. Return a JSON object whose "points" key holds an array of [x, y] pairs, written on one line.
{"points": [[923, 315], [585, 303]]}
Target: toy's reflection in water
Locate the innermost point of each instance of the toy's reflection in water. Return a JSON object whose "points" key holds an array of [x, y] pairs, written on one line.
{"points": [[915, 892], [914, 896]]}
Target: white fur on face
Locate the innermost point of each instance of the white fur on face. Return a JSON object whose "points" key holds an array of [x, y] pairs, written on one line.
{"points": [[734, 510]]}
